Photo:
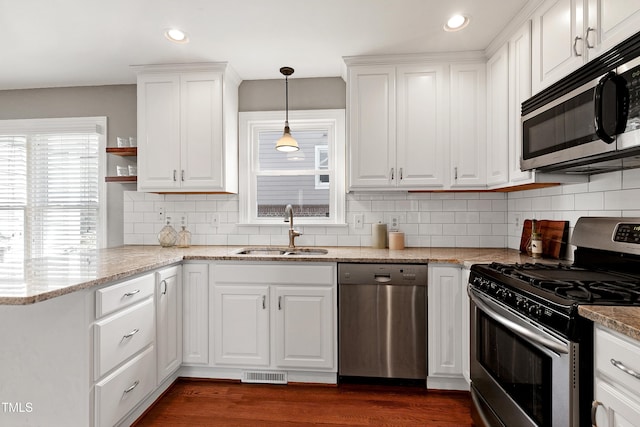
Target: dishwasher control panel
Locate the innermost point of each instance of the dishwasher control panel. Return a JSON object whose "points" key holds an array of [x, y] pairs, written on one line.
{"points": [[392, 274]]}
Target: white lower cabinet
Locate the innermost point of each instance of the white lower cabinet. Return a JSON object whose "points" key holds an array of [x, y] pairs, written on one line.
{"points": [[445, 331], [195, 314], [275, 316], [241, 325], [121, 391], [168, 321], [617, 380]]}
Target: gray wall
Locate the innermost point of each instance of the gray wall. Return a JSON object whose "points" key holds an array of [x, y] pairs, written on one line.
{"points": [[118, 103]]}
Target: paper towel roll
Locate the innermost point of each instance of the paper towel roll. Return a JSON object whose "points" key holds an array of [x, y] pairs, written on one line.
{"points": [[379, 236], [396, 240]]}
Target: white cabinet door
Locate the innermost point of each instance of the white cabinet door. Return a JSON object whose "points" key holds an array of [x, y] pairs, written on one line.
{"points": [[557, 41], [201, 131], [422, 124], [372, 127], [169, 321], [304, 327], [614, 407], [498, 117], [241, 325], [195, 314], [158, 132], [445, 331], [611, 21], [468, 125], [519, 91]]}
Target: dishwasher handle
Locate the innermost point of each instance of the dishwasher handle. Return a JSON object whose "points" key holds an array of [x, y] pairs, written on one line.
{"points": [[382, 278]]}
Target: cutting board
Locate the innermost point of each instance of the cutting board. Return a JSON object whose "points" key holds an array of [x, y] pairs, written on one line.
{"points": [[555, 236]]}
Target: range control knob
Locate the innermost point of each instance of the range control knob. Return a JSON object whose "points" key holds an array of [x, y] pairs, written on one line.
{"points": [[501, 294], [535, 310]]}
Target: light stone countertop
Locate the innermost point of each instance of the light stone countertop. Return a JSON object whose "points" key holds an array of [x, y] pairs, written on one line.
{"points": [[625, 320], [53, 277]]}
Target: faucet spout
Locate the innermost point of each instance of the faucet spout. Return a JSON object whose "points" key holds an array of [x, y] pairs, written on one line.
{"points": [[288, 217]]}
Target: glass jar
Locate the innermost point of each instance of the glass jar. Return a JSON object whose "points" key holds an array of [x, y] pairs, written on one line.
{"points": [[168, 235], [184, 238]]}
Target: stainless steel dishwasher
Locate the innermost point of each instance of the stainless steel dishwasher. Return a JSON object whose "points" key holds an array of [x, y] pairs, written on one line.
{"points": [[382, 321]]}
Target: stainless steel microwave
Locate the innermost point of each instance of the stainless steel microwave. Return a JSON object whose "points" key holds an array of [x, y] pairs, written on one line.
{"points": [[591, 129]]}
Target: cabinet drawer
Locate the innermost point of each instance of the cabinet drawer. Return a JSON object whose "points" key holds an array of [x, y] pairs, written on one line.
{"points": [[122, 335], [115, 297], [614, 349], [121, 391]]}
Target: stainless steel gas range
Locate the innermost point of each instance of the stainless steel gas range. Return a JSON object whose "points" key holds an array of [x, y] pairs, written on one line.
{"points": [[531, 353]]}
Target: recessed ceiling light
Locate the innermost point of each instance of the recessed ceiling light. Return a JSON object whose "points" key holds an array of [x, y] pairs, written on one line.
{"points": [[456, 23], [176, 35]]}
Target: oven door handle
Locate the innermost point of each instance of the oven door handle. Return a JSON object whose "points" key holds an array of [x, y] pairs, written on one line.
{"points": [[509, 324]]}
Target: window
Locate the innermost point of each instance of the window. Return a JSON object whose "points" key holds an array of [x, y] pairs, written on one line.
{"points": [[51, 180], [310, 179]]}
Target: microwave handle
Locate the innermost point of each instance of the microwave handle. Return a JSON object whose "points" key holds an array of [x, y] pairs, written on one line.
{"points": [[622, 106]]}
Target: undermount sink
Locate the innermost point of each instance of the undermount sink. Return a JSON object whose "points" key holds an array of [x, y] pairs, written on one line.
{"points": [[281, 251]]}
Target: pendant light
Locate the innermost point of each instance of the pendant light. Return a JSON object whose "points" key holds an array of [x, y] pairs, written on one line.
{"points": [[286, 143]]}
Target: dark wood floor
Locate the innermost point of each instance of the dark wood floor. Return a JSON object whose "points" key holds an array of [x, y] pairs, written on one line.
{"points": [[226, 403]]}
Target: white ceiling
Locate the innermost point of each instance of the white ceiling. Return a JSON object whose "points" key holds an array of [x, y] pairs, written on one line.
{"points": [[49, 43]]}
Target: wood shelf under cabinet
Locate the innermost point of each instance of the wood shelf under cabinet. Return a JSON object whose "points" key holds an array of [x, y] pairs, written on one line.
{"points": [[121, 179], [123, 151]]}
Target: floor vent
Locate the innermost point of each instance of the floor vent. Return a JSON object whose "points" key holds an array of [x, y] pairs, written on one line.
{"points": [[267, 377]]}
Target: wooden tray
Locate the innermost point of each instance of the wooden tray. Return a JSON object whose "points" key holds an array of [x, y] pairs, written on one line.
{"points": [[555, 236]]}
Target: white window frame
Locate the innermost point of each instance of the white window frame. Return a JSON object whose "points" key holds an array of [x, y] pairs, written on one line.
{"points": [[253, 122], [96, 125]]}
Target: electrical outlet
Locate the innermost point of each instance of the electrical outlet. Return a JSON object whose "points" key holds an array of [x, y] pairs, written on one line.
{"points": [[214, 219], [516, 218], [394, 223], [358, 220], [161, 214]]}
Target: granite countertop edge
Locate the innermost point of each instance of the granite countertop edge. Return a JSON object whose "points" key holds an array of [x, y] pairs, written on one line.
{"points": [[115, 264]]}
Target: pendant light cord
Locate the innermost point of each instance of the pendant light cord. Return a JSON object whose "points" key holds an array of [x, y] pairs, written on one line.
{"points": [[286, 101]]}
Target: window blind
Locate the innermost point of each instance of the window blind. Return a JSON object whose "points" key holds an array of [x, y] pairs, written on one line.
{"points": [[50, 186], [63, 193]]}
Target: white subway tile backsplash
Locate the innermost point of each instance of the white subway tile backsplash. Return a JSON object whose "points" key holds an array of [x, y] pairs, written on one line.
{"points": [[441, 219]]}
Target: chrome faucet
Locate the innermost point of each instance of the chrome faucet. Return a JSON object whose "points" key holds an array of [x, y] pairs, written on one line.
{"points": [[288, 217]]}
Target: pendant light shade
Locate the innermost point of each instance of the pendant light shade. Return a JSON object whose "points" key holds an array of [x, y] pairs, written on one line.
{"points": [[287, 143]]}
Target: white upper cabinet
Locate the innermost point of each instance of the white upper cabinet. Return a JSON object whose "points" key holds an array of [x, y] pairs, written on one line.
{"points": [[421, 126], [468, 125], [400, 133], [187, 129], [372, 127], [612, 21], [519, 91], [568, 33], [498, 117]]}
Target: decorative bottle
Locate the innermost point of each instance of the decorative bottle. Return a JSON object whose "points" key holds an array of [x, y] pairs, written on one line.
{"points": [[168, 235], [184, 236], [536, 241]]}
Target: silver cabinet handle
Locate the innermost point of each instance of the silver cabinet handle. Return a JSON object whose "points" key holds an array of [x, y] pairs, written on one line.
{"points": [[164, 291], [264, 302], [624, 369], [575, 43], [182, 175], [132, 293], [131, 387], [586, 37], [279, 303], [174, 175], [393, 176], [594, 409], [130, 334], [455, 173], [400, 174]]}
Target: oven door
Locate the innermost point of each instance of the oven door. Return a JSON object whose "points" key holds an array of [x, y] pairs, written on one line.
{"points": [[521, 375]]}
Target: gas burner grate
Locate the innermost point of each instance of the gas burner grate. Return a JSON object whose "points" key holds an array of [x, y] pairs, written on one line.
{"points": [[592, 291]]}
